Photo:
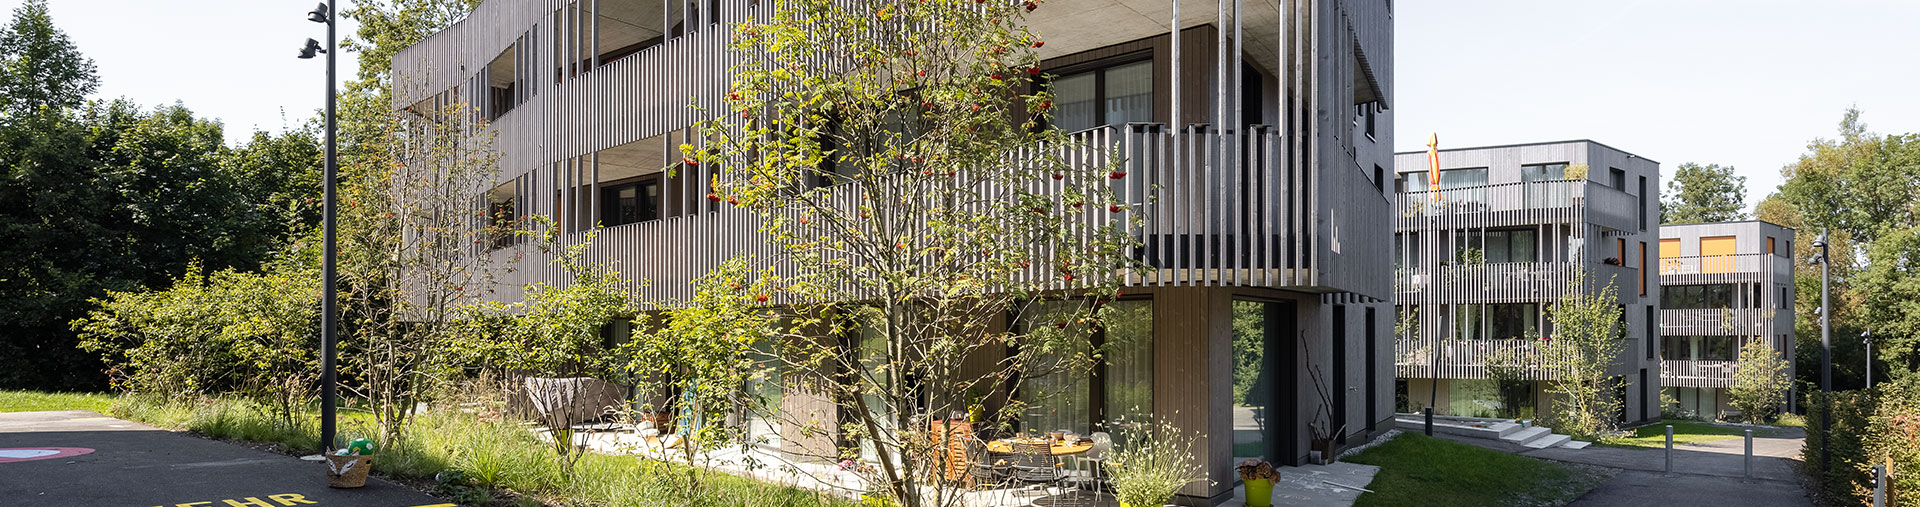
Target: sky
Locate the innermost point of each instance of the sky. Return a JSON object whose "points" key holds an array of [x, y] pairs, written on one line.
{"points": [[1746, 83], [231, 60]]}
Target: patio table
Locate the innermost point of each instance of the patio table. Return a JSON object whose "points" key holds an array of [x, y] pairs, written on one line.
{"points": [[1005, 446]]}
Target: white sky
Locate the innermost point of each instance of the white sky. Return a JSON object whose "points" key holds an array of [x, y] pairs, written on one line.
{"points": [[231, 60], [1743, 83]]}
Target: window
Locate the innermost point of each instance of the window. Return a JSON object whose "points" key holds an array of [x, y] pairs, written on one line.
{"points": [[1642, 209], [1538, 195], [1514, 320], [1513, 245], [1769, 244], [1461, 178], [1109, 96], [1680, 297], [1653, 331], [1716, 348], [1379, 178], [1716, 254], [1785, 302], [1676, 348], [1617, 179], [629, 202], [1543, 172], [1642, 268], [1121, 383]]}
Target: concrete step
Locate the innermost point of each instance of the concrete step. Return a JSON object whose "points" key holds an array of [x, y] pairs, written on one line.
{"points": [[1547, 441], [1576, 444], [1524, 436]]}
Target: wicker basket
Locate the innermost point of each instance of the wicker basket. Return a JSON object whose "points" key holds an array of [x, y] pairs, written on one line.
{"points": [[348, 471]]}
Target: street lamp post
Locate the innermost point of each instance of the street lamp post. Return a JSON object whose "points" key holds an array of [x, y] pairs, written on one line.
{"points": [[1866, 338], [1826, 353], [329, 321]]}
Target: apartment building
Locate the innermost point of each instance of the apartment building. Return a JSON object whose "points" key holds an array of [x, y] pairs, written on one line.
{"points": [[1509, 228], [1274, 207], [1722, 285]]}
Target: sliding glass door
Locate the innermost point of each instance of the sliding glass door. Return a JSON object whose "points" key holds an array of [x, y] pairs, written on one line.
{"points": [[1263, 382]]}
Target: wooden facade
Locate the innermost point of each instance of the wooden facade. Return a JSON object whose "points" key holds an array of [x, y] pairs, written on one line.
{"points": [[1753, 261], [1288, 199], [1494, 248]]}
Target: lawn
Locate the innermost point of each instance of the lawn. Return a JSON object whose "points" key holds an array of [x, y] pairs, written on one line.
{"points": [[1654, 436], [1419, 470], [30, 401]]}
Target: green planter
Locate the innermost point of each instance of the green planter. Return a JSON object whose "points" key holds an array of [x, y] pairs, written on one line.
{"points": [[1259, 492]]}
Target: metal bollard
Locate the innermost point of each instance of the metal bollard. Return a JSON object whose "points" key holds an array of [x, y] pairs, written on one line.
{"points": [[1669, 449], [1429, 412], [1749, 461], [1879, 486]]}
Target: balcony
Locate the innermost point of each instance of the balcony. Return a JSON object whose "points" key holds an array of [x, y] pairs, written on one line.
{"points": [[1515, 204], [1718, 321], [1702, 373], [1504, 282], [1737, 268], [1467, 359], [1256, 219]]}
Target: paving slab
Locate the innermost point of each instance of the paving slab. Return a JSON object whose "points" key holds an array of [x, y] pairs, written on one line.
{"points": [[134, 465]]}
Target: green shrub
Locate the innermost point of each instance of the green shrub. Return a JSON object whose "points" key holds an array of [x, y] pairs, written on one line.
{"points": [[1846, 479], [1894, 436]]}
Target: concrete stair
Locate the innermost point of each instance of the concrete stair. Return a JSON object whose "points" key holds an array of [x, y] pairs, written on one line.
{"points": [[1532, 437]]}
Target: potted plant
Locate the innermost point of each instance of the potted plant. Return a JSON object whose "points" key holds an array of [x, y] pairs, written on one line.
{"points": [[1258, 475], [1155, 463]]}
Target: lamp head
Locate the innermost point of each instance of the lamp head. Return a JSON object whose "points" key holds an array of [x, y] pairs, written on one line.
{"points": [[312, 48], [320, 14]]}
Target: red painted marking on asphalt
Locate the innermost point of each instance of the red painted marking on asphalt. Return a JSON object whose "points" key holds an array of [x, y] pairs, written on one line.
{"points": [[10, 455]]}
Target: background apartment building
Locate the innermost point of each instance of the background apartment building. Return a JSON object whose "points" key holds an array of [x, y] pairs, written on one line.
{"points": [[1721, 286], [1271, 235], [1513, 226]]}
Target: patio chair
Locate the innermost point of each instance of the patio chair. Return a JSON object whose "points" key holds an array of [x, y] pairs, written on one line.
{"points": [[984, 474], [1034, 464], [1088, 470]]}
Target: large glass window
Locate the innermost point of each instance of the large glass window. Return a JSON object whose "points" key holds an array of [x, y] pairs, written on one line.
{"points": [[1679, 297], [1113, 95], [1540, 196], [1676, 347], [1120, 385], [1459, 178], [1513, 320], [1513, 245], [1127, 369], [630, 202]]}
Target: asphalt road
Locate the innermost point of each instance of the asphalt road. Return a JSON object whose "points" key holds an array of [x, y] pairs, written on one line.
{"points": [[134, 465], [1712, 474]]}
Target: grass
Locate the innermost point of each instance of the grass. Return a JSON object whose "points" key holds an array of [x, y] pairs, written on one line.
{"points": [[30, 401], [1419, 470], [1654, 436], [481, 463]]}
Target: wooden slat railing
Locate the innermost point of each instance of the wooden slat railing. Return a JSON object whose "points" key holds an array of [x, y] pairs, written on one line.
{"points": [[1520, 203]]}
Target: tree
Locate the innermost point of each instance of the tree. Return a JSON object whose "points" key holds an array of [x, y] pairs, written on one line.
{"points": [[1862, 186], [703, 358], [413, 255], [1699, 194], [41, 72], [1588, 336], [916, 200], [1760, 383]]}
